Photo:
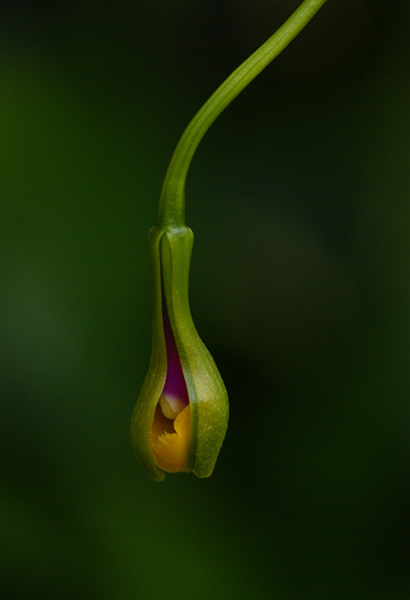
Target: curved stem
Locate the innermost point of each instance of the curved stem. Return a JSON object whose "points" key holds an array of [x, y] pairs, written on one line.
{"points": [[172, 203]]}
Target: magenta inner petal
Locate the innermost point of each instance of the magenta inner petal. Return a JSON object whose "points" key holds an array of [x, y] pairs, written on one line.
{"points": [[175, 386]]}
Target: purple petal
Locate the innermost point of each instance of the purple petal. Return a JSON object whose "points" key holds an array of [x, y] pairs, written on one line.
{"points": [[175, 386]]}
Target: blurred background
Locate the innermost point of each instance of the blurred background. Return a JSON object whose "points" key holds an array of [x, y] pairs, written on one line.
{"points": [[299, 197]]}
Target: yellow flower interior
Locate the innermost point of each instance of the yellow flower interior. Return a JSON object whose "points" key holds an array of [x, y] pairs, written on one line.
{"points": [[169, 438]]}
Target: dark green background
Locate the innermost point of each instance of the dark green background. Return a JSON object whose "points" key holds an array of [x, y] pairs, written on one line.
{"points": [[299, 197]]}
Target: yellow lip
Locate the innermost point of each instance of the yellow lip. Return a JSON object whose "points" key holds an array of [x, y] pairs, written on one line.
{"points": [[169, 439]]}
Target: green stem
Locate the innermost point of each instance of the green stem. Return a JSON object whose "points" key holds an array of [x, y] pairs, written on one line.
{"points": [[172, 203]]}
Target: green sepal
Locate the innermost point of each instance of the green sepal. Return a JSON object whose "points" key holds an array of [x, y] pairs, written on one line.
{"points": [[143, 415], [170, 251]]}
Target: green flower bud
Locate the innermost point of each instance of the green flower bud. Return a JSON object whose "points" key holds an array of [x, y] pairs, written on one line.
{"points": [[181, 415]]}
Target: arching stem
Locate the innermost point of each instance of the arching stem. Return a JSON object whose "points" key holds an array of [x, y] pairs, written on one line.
{"points": [[172, 203]]}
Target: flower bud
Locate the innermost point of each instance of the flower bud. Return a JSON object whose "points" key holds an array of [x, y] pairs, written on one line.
{"points": [[181, 415]]}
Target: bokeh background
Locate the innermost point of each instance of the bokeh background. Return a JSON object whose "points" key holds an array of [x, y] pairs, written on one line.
{"points": [[299, 197]]}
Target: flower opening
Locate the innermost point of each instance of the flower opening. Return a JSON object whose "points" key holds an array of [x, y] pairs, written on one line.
{"points": [[172, 419]]}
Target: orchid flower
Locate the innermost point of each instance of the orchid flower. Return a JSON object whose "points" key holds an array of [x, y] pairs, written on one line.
{"points": [[181, 415]]}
